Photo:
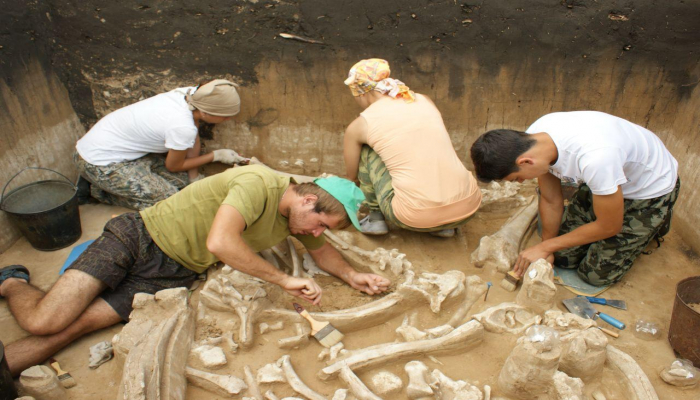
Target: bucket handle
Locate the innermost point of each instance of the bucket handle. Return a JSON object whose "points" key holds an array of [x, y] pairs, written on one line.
{"points": [[2, 197]]}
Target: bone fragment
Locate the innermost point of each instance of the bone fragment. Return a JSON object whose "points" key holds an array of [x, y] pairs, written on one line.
{"points": [[357, 388], [232, 345], [500, 250], [538, 291], [384, 382], [271, 373], [487, 392], [568, 388], [296, 383], [211, 341], [270, 395], [475, 288], [301, 339], [222, 385], [598, 395], [253, 388], [501, 197], [566, 322], [340, 394], [462, 338], [296, 262], [583, 353], [507, 318], [310, 266], [418, 386], [336, 349], [40, 381], [210, 357], [389, 263], [410, 333], [680, 373], [436, 287], [265, 327], [638, 384], [100, 353], [447, 389]]}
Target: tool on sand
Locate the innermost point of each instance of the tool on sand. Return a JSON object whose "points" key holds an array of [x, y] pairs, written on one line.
{"points": [[324, 332], [510, 282], [621, 304], [488, 287], [64, 377], [583, 308]]}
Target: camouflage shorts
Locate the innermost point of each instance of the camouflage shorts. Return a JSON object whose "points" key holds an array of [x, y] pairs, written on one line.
{"points": [[375, 183], [135, 184], [605, 262]]}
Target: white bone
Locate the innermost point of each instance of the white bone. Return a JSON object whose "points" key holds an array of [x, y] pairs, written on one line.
{"points": [[223, 385], [264, 327], [253, 387], [418, 386], [475, 288], [336, 349], [296, 262], [271, 373], [567, 388], [462, 338], [232, 345], [501, 197], [301, 339], [295, 382], [310, 266], [583, 353], [384, 382], [638, 384], [436, 287], [410, 333], [500, 250], [538, 291], [356, 386], [340, 394], [210, 357], [487, 392], [598, 395], [375, 261], [507, 318], [447, 389], [566, 322], [270, 395]]}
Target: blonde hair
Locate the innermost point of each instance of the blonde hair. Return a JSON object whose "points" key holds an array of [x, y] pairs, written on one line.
{"points": [[325, 202]]}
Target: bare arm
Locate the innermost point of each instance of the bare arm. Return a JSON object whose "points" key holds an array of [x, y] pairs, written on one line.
{"points": [[227, 244], [330, 260], [551, 205], [355, 137], [609, 211], [177, 160]]}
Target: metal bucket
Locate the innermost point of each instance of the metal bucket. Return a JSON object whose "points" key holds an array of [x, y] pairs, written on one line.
{"points": [[7, 385], [46, 212], [684, 332]]}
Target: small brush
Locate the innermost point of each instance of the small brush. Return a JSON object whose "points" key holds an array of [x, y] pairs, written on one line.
{"points": [[64, 377], [510, 282], [324, 332]]}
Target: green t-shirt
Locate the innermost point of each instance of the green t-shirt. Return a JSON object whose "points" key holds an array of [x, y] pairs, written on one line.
{"points": [[180, 224]]}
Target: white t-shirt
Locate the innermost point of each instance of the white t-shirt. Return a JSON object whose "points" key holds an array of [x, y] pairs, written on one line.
{"points": [[605, 151], [154, 125]]}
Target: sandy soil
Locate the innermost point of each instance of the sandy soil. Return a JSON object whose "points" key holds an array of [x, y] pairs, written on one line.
{"points": [[649, 290]]}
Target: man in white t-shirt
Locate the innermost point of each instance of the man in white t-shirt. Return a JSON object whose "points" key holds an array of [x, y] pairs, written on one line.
{"points": [[146, 152], [627, 186]]}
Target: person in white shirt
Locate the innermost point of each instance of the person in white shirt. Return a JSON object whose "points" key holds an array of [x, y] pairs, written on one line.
{"points": [[146, 152], [627, 185]]}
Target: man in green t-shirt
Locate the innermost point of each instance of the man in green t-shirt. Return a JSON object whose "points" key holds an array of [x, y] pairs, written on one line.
{"points": [[228, 217]]}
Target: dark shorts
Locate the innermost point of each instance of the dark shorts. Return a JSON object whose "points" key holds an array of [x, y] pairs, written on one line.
{"points": [[127, 260]]}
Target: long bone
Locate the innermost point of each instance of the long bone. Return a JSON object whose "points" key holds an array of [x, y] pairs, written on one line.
{"points": [[296, 262], [462, 338], [296, 383], [500, 250], [376, 261], [448, 389], [638, 385], [253, 388], [476, 287], [357, 387]]}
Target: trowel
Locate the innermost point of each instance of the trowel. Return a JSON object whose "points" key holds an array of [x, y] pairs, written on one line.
{"points": [[582, 307], [621, 304]]}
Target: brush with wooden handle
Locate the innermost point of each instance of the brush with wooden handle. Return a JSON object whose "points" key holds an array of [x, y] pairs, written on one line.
{"points": [[64, 377], [324, 332]]}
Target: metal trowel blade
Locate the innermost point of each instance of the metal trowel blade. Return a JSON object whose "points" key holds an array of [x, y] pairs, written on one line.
{"points": [[580, 306]]}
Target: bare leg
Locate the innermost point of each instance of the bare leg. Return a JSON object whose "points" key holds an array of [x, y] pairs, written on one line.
{"points": [[33, 350], [46, 314], [195, 151]]}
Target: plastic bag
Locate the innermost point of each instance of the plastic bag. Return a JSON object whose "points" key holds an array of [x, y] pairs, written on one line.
{"points": [[647, 330], [681, 373], [542, 337]]}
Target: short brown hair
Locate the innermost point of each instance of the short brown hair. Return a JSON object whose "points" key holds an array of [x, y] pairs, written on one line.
{"points": [[325, 202]]}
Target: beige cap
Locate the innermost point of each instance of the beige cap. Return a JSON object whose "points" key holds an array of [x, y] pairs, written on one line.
{"points": [[218, 97]]}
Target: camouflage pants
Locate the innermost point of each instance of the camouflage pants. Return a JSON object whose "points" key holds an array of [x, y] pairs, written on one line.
{"points": [[375, 183], [605, 262], [136, 184]]}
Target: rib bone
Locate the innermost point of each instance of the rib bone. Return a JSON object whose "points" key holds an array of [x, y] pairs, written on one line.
{"points": [[295, 382], [637, 382], [223, 385], [356, 386], [476, 287]]}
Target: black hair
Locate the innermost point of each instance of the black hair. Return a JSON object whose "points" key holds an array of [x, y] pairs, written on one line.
{"points": [[494, 153]]}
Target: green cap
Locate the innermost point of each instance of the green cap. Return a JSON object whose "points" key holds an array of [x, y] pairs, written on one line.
{"points": [[345, 192]]}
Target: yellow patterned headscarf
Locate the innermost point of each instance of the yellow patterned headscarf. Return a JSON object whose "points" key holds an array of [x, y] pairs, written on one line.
{"points": [[373, 74]]}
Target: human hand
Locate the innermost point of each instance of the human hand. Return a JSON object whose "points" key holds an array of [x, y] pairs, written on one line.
{"points": [[369, 283], [228, 156], [528, 256], [304, 288]]}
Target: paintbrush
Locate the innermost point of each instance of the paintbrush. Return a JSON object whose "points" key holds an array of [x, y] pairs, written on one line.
{"points": [[64, 377], [324, 332], [510, 282]]}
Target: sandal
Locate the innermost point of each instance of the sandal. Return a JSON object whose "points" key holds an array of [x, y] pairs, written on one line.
{"points": [[14, 271]]}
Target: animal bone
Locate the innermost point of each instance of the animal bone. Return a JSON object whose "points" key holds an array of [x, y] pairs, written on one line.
{"points": [[566, 322], [410, 333], [270, 395], [447, 389], [310, 266], [449, 284], [232, 345], [340, 394], [507, 317], [271, 373], [501, 197], [301, 339], [500, 250], [375, 261], [583, 353], [487, 392], [356, 386], [296, 263], [462, 338], [210, 357], [680, 373], [384, 382], [251, 383], [295, 382], [100, 353], [638, 384], [538, 290], [418, 386], [475, 288], [265, 327], [222, 385], [39, 381], [568, 388]]}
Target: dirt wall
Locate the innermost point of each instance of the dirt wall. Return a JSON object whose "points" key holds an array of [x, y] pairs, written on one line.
{"points": [[486, 65]]}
